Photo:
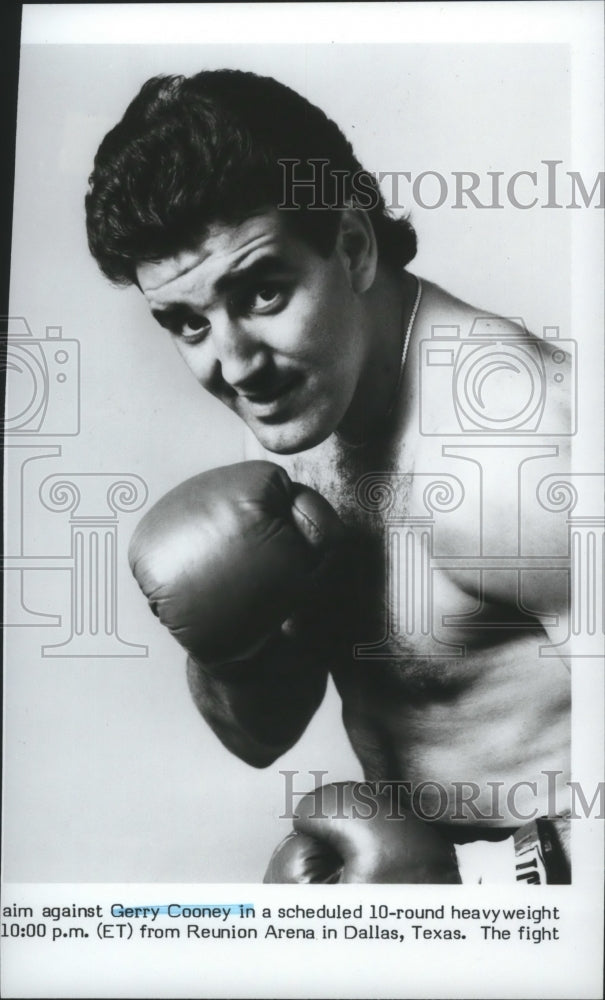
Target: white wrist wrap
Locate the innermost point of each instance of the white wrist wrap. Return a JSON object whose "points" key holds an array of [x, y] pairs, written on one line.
{"points": [[487, 861], [533, 855]]}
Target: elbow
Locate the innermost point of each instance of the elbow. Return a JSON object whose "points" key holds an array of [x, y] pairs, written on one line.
{"points": [[260, 761], [254, 752], [258, 756]]}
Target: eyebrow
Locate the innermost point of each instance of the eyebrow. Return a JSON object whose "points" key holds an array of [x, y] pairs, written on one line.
{"points": [[232, 280], [257, 269]]}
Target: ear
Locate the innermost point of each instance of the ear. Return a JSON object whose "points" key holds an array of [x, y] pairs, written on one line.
{"points": [[357, 248]]}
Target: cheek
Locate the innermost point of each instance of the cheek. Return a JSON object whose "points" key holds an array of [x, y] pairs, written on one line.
{"points": [[316, 330], [333, 337], [336, 317]]}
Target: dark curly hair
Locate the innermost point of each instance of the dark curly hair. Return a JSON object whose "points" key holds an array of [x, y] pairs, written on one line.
{"points": [[190, 151]]}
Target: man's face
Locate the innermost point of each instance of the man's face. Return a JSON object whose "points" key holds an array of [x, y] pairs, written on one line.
{"points": [[266, 325]]}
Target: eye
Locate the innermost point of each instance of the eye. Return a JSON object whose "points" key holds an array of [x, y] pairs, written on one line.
{"points": [[193, 328], [267, 294], [266, 298]]}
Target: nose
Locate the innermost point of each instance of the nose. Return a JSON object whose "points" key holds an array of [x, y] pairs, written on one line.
{"points": [[242, 356]]}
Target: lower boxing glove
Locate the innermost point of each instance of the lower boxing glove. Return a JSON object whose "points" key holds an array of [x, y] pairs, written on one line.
{"points": [[351, 832], [299, 858]]}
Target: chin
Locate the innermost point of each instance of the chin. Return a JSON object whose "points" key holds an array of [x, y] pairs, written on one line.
{"points": [[286, 440]]}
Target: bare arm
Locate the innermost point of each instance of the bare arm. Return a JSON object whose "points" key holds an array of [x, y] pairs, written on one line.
{"points": [[510, 483]]}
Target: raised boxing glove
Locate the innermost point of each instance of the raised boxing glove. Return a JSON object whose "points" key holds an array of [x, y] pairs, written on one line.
{"points": [[226, 557], [352, 832]]}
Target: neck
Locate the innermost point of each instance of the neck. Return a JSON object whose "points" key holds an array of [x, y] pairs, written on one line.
{"points": [[388, 309]]}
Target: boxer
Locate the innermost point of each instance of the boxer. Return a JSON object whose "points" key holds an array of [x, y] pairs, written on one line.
{"points": [[306, 321]]}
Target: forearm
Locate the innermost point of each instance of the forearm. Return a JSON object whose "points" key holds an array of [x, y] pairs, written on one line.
{"points": [[260, 707]]}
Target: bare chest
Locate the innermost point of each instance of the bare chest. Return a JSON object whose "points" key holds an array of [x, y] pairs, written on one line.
{"points": [[419, 611]]}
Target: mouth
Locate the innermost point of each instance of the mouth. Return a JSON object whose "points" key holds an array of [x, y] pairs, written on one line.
{"points": [[272, 400]]}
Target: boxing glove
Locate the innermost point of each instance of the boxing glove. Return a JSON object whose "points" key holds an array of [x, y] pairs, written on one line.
{"points": [[351, 832], [226, 557]]}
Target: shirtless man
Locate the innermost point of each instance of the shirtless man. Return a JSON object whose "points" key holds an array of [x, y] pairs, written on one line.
{"points": [[406, 551]]}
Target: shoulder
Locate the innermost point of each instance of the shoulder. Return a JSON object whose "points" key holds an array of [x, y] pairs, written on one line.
{"points": [[480, 373]]}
